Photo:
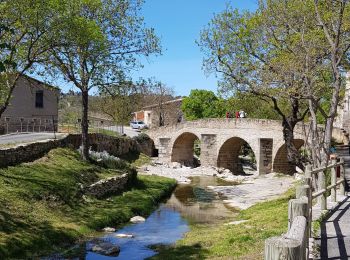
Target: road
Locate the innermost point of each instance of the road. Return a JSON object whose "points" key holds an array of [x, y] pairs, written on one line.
{"points": [[23, 138], [126, 129], [27, 138]]}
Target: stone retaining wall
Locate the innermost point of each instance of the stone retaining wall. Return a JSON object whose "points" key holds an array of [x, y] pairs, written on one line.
{"points": [[116, 146], [111, 185]]}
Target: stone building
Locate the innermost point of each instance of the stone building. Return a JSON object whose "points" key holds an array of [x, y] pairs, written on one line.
{"points": [[168, 112], [33, 107]]}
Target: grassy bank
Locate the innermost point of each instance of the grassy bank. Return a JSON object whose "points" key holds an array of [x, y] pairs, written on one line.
{"points": [[243, 241], [42, 207]]}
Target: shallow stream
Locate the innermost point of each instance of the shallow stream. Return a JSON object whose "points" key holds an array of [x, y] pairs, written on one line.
{"points": [[193, 203]]}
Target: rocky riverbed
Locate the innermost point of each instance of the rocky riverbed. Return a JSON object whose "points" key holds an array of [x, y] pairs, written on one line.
{"points": [[241, 191]]}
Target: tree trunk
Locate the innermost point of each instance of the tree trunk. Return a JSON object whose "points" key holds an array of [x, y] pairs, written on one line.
{"points": [[332, 113], [85, 125], [316, 143], [293, 155]]}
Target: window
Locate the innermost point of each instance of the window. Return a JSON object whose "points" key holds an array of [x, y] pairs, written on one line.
{"points": [[39, 99]]}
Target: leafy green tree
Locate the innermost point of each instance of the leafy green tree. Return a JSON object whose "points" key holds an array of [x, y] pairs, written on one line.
{"points": [[119, 100], [252, 105], [203, 104], [93, 42], [281, 54], [22, 42]]}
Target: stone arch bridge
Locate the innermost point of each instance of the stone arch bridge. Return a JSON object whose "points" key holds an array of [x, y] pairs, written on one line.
{"points": [[221, 141]]}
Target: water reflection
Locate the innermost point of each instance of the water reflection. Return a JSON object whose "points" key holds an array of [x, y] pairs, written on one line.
{"points": [[199, 204]]}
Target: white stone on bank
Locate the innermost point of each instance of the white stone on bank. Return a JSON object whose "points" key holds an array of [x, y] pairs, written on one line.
{"points": [[109, 229], [137, 219], [236, 222]]}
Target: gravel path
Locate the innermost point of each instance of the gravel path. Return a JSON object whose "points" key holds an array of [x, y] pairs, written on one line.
{"points": [[261, 188]]}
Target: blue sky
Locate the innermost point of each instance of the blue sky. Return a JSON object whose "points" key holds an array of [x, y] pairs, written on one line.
{"points": [[178, 23]]}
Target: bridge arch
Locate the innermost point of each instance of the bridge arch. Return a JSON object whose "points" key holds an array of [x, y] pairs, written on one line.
{"points": [[183, 148], [228, 154], [280, 162]]}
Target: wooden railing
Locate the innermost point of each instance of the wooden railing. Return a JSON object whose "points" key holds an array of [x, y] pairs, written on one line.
{"points": [[295, 243]]}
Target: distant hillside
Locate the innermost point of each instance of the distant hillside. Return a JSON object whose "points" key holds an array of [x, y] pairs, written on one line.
{"points": [[70, 107]]}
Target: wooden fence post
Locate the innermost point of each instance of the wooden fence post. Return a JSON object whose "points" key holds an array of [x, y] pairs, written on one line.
{"points": [[342, 177], [308, 170], [333, 182], [289, 246], [297, 207], [304, 193], [322, 200], [308, 177]]}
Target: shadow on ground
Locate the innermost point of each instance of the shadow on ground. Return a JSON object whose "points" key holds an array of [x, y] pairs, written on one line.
{"points": [[180, 252]]}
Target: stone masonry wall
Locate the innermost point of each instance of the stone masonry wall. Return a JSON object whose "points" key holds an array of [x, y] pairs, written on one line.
{"points": [[27, 153], [111, 185], [117, 146]]}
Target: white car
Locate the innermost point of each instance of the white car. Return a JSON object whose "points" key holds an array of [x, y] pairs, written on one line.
{"points": [[138, 125]]}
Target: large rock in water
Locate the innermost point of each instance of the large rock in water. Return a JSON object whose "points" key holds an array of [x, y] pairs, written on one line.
{"points": [[106, 248]]}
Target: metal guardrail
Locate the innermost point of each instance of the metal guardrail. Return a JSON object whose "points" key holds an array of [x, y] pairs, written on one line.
{"points": [[10, 125], [28, 124], [295, 244], [95, 126]]}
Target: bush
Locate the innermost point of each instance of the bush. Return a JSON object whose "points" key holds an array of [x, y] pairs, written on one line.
{"points": [[141, 138], [104, 159]]}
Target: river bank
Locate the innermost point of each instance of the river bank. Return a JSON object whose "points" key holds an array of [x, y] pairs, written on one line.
{"points": [[43, 209], [242, 237]]}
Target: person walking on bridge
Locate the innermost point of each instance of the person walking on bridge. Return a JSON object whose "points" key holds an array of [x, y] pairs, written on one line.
{"points": [[242, 114]]}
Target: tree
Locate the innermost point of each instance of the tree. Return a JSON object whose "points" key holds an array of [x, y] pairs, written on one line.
{"points": [[22, 42], [318, 49], [203, 104], [333, 17], [159, 93], [241, 49], [253, 106], [121, 99], [283, 55], [96, 40]]}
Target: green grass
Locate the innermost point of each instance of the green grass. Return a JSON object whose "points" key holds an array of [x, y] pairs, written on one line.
{"points": [[142, 160], [75, 128], [107, 132], [243, 241], [42, 208]]}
